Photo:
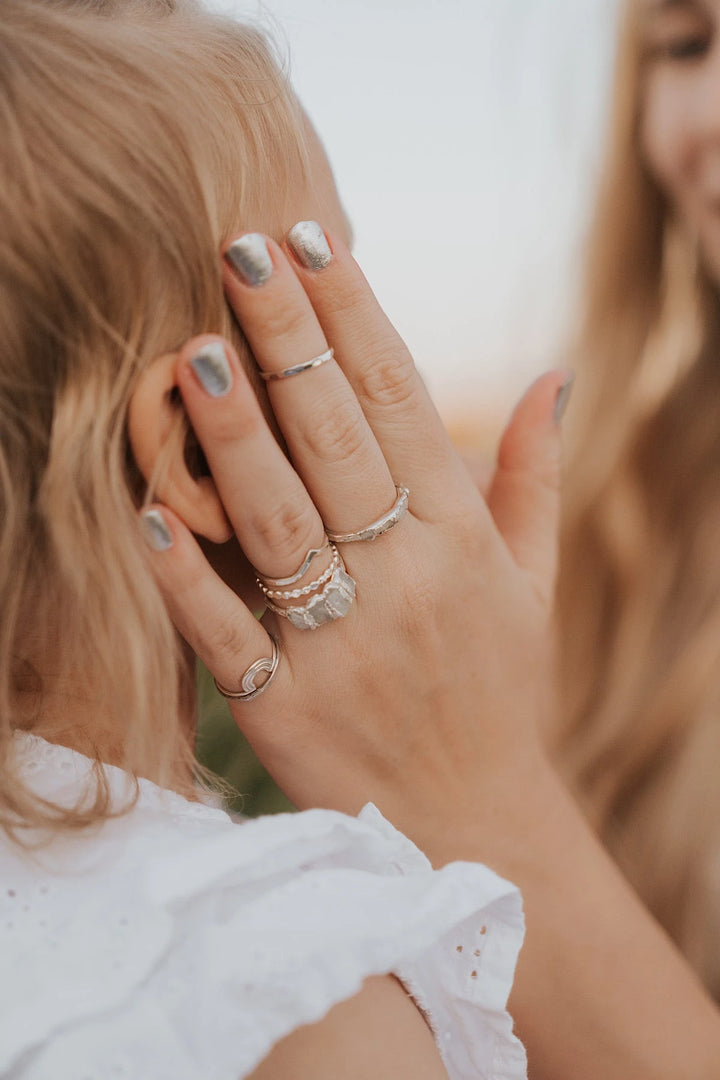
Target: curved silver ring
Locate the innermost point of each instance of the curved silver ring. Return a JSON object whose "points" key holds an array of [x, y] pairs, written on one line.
{"points": [[371, 532], [297, 369], [250, 690], [281, 582], [311, 587]]}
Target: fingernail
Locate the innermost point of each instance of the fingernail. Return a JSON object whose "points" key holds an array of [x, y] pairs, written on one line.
{"points": [[563, 397], [250, 257], [309, 244], [212, 369], [155, 530]]}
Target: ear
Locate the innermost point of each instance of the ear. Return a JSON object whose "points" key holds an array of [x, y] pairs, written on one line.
{"points": [[154, 431]]}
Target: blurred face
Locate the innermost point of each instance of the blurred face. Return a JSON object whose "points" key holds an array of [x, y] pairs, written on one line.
{"points": [[680, 128]]}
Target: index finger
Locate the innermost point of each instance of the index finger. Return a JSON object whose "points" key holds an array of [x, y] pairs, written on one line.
{"points": [[380, 369]]}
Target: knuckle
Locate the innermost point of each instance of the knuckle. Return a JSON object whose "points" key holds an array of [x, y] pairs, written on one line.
{"points": [[286, 529], [346, 298], [417, 597], [421, 600], [416, 588], [226, 639], [391, 379], [338, 434], [278, 322]]}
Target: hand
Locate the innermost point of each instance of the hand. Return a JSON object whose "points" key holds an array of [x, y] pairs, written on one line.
{"points": [[431, 688]]}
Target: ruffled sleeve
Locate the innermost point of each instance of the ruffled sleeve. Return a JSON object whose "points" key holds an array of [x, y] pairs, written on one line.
{"points": [[189, 959]]}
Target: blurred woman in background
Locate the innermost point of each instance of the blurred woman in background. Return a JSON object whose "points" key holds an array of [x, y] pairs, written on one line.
{"points": [[640, 574], [172, 950]]}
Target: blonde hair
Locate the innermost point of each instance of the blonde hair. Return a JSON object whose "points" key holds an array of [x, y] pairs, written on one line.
{"points": [[639, 594], [132, 147]]}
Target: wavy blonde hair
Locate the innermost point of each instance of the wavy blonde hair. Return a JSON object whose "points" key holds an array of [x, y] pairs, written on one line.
{"points": [[132, 147], [640, 584]]}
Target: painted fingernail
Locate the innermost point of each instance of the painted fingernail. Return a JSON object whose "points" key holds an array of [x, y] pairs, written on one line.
{"points": [[212, 369], [250, 257], [155, 530], [309, 244], [563, 397]]}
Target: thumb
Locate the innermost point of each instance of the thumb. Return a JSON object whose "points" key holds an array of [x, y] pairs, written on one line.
{"points": [[525, 495]]}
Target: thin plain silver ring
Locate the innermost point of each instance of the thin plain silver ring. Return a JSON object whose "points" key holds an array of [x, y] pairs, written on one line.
{"points": [[250, 690], [297, 369]]}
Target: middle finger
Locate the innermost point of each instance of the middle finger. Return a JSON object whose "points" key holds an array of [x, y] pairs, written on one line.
{"points": [[329, 439]]}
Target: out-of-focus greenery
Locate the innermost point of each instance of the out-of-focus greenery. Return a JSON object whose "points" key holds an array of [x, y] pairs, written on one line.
{"points": [[221, 747]]}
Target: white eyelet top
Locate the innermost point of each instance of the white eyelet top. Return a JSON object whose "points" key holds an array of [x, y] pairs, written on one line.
{"points": [[176, 944]]}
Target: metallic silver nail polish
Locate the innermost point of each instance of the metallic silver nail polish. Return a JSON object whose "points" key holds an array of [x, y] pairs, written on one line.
{"points": [[563, 397], [309, 244], [155, 530], [250, 257], [212, 369]]}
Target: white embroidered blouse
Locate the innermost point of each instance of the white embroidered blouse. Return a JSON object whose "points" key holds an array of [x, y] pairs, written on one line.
{"points": [[176, 944]]}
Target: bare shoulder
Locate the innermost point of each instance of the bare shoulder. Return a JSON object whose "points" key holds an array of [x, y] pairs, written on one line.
{"points": [[377, 1033]]}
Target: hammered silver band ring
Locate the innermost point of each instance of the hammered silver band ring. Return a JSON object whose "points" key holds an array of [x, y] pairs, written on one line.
{"points": [[383, 524]]}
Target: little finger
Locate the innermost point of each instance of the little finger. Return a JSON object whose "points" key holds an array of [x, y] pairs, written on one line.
{"points": [[211, 618]]}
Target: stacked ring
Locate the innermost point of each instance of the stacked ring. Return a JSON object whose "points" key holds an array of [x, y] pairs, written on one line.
{"points": [[332, 603], [335, 589], [293, 594]]}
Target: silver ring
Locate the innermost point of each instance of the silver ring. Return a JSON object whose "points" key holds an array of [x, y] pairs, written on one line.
{"points": [[396, 512], [280, 582], [295, 594], [249, 688], [297, 369], [332, 603]]}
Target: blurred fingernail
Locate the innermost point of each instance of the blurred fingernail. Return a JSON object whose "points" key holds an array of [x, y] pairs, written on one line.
{"points": [[563, 397], [155, 530], [212, 369], [250, 257], [309, 245]]}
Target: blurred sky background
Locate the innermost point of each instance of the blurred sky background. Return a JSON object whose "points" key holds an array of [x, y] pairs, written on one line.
{"points": [[465, 136]]}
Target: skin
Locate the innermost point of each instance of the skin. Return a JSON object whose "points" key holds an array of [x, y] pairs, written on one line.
{"points": [[680, 129], [451, 712], [592, 953], [347, 455], [428, 697]]}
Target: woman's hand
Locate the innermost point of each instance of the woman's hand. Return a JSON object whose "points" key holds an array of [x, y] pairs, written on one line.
{"points": [[426, 697], [436, 677], [435, 680]]}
